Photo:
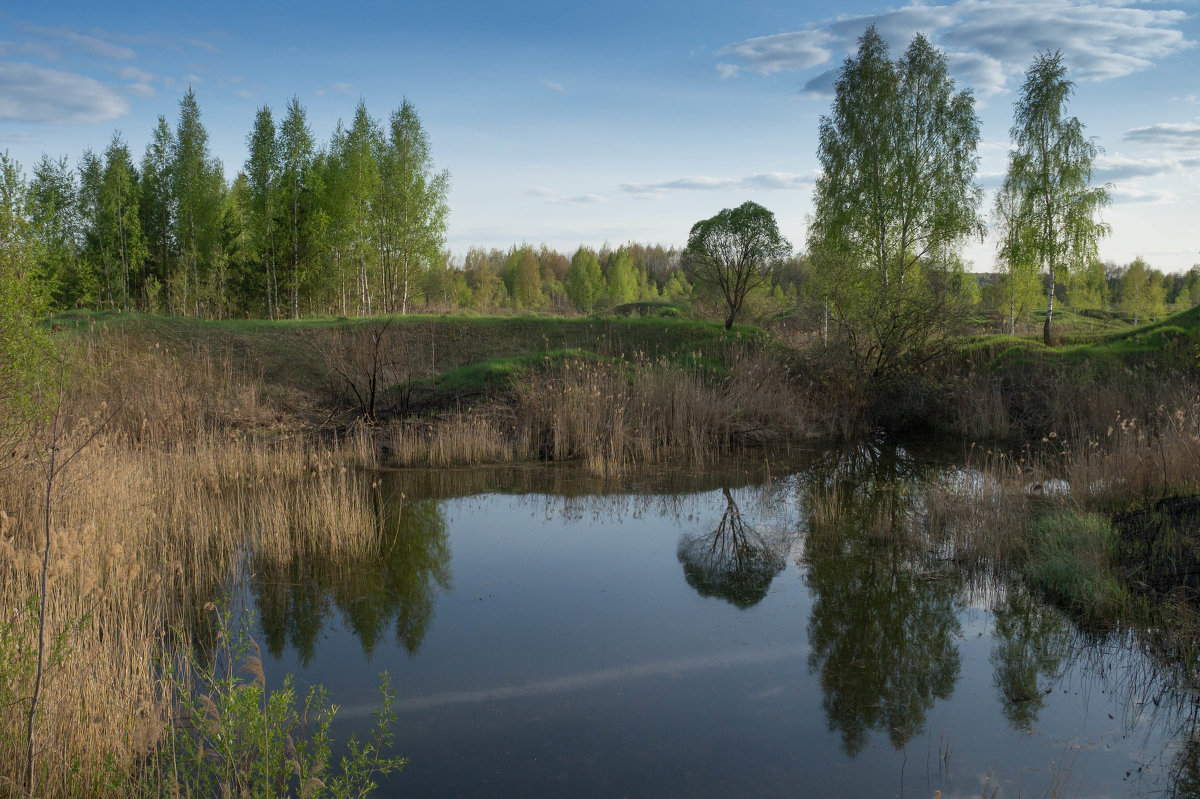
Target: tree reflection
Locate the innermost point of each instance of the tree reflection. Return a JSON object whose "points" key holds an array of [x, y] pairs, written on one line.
{"points": [[734, 562], [882, 629], [1032, 639], [392, 582]]}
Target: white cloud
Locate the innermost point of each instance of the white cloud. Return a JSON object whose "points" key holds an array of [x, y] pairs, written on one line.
{"points": [[1119, 167], [245, 95], [555, 198], [1183, 135], [36, 94], [988, 42], [88, 45], [728, 70], [341, 87], [783, 51], [764, 181], [1126, 195], [553, 85], [193, 79]]}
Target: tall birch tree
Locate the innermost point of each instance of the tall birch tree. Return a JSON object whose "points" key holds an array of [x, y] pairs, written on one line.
{"points": [[1050, 174], [895, 201]]}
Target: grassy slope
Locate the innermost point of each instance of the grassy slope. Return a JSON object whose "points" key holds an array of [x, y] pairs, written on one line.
{"points": [[446, 351], [1170, 341]]}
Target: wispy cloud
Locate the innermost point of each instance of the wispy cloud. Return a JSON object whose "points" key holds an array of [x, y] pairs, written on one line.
{"points": [[341, 87], [84, 43], [553, 85], [35, 94], [1115, 168], [764, 181], [557, 198], [728, 70], [1182, 135], [988, 42]]}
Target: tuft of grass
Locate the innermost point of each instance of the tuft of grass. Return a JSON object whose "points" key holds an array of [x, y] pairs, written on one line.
{"points": [[1071, 562]]}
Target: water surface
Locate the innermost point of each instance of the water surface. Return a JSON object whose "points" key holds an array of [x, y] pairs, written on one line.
{"points": [[704, 635]]}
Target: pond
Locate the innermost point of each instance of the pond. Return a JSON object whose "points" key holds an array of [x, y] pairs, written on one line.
{"points": [[701, 635]]}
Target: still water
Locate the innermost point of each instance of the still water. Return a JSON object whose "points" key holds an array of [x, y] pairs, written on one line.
{"points": [[704, 636]]}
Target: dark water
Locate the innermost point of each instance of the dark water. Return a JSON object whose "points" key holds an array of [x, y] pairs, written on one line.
{"points": [[704, 636]]}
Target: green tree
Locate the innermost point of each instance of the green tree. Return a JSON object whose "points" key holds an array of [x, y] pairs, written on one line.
{"points": [[585, 281], [412, 207], [155, 210], [526, 279], [119, 224], [23, 345], [736, 251], [295, 148], [359, 178], [895, 200], [55, 226], [262, 176], [622, 279], [1050, 174], [1141, 291], [198, 189]]}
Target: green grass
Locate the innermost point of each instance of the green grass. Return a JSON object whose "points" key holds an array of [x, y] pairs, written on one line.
{"points": [[452, 352], [1071, 561]]}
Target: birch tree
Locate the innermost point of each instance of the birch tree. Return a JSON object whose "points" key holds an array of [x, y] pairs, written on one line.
{"points": [[1050, 175], [895, 201]]}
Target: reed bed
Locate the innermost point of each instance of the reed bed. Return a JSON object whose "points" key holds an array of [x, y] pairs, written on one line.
{"points": [[174, 483], [610, 417]]}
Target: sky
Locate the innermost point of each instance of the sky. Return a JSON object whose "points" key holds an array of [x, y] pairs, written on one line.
{"points": [[570, 124]]}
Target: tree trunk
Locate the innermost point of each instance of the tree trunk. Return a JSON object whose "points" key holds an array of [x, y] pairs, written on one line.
{"points": [[1046, 338]]}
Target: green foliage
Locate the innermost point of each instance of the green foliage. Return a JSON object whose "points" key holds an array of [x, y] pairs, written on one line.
{"points": [[585, 281], [623, 283], [526, 279], [1049, 179], [736, 252], [233, 737], [24, 348], [895, 200], [1071, 561], [1142, 294]]}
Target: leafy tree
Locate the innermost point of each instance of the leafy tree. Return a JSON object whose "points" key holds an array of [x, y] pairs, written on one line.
{"points": [[622, 279], [359, 176], [55, 227], [412, 207], [1141, 291], [1189, 293], [262, 176], [735, 252], [585, 281], [895, 200], [1087, 288], [119, 224], [198, 192], [526, 279], [155, 210], [295, 149], [1050, 173], [23, 345], [1022, 286]]}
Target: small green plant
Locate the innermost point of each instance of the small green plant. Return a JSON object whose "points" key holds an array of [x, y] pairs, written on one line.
{"points": [[233, 737], [1071, 563]]}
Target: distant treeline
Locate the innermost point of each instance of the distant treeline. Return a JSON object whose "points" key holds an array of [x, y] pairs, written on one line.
{"points": [[357, 226]]}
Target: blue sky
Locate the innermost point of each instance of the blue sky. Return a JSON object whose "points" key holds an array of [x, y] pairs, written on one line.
{"points": [[612, 122]]}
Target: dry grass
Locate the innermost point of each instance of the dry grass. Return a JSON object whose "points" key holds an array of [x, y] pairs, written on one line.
{"points": [[149, 523], [611, 417]]}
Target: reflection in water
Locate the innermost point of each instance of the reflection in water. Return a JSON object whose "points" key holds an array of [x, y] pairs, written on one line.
{"points": [[734, 562], [392, 582], [883, 630], [1032, 639]]}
